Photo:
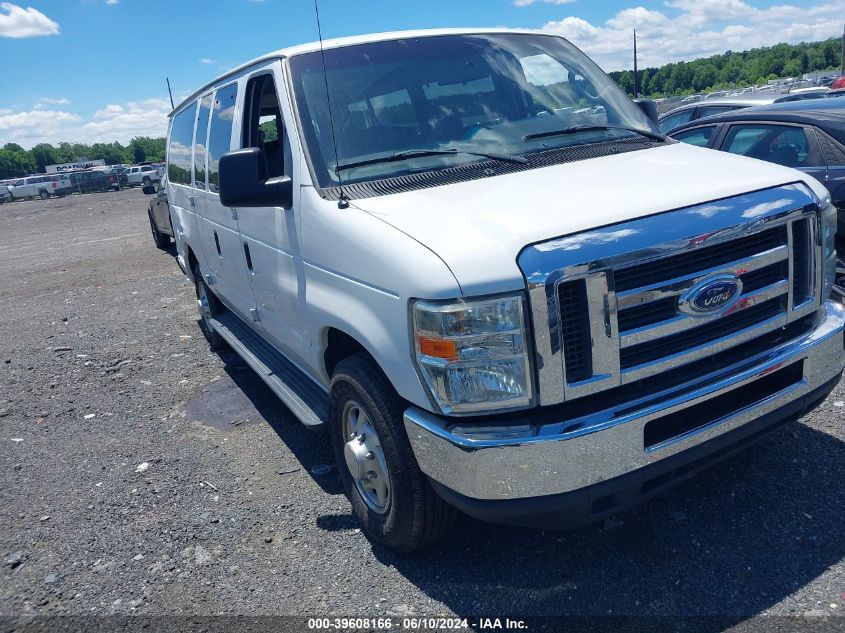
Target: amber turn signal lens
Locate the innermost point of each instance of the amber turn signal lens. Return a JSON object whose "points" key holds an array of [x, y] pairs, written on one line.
{"points": [[437, 348]]}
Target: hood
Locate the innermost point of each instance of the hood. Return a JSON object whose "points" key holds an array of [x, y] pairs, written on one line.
{"points": [[479, 227]]}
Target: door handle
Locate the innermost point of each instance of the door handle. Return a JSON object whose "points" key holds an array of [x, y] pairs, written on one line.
{"points": [[248, 257]]}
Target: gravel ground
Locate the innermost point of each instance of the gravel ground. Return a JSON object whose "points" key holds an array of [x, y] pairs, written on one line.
{"points": [[143, 474]]}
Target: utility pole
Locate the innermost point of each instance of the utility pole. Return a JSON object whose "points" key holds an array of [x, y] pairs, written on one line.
{"points": [[636, 74]]}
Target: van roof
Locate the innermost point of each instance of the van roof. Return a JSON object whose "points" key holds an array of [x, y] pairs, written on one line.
{"points": [[339, 42]]}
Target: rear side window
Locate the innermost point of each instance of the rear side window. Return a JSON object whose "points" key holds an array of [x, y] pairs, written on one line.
{"points": [[179, 150], [782, 144], [704, 111], [674, 120], [220, 137], [699, 137], [199, 143]]}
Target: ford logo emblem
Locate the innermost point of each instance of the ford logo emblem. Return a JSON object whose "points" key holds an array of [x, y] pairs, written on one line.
{"points": [[711, 295]]}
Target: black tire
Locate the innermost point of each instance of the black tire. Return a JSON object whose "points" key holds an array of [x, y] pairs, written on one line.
{"points": [[43, 194], [415, 516], [146, 181], [839, 283], [161, 240], [214, 307]]}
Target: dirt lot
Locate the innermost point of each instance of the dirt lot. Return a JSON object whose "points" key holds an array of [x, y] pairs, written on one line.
{"points": [[143, 474]]}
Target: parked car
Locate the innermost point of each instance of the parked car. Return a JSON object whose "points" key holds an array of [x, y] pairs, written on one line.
{"points": [[159, 213], [121, 180], [36, 186], [142, 175], [491, 302], [91, 181], [807, 135], [718, 105]]}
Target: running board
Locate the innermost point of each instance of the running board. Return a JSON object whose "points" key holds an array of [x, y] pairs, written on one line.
{"points": [[305, 398]]}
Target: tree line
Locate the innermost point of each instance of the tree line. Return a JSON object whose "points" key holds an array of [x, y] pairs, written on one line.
{"points": [[734, 69], [15, 161]]}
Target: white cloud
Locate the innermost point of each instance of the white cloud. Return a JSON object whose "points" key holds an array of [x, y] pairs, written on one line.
{"points": [[525, 3], [36, 126], [114, 122], [111, 3], [688, 29], [121, 122], [18, 22], [60, 101], [206, 60]]}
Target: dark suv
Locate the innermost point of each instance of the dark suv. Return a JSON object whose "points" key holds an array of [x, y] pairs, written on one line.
{"points": [[89, 181]]}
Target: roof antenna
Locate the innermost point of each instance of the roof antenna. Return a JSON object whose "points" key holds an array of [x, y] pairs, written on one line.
{"points": [[170, 92], [343, 202]]}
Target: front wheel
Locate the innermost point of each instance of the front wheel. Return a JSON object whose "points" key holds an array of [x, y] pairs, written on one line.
{"points": [[160, 239], [390, 496]]}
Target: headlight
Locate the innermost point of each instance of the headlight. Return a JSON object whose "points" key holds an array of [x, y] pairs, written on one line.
{"points": [[472, 354], [829, 218]]}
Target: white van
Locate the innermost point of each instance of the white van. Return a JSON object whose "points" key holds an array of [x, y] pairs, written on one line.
{"points": [[477, 263]]}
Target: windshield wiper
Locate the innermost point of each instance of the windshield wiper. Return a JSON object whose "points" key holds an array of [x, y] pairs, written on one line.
{"points": [[575, 129], [418, 153]]}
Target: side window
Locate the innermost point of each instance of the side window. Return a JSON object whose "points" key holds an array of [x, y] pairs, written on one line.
{"points": [[220, 137], [179, 149], [263, 126], [704, 111], [782, 144], [700, 136], [674, 120], [199, 143]]}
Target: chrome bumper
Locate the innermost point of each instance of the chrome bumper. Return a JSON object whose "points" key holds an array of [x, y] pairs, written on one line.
{"points": [[519, 462]]}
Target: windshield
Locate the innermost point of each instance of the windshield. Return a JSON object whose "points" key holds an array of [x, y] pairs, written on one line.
{"points": [[505, 94]]}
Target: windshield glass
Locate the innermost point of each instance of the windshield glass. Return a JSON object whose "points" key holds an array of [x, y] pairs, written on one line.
{"points": [[505, 94]]}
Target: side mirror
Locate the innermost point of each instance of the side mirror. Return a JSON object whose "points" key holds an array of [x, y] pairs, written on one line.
{"points": [[149, 190], [243, 181], [649, 108]]}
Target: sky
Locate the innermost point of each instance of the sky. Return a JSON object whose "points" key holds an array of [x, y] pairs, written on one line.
{"points": [[94, 70]]}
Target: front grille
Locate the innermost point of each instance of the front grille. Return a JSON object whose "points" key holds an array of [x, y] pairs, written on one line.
{"points": [[651, 324], [665, 346], [698, 259]]}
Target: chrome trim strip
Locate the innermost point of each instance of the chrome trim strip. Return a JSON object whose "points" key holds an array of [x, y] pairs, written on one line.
{"points": [[682, 322], [640, 241], [526, 461]]}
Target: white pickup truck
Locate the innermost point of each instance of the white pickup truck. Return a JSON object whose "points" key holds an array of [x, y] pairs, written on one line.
{"points": [[475, 262], [39, 186], [142, 175]]}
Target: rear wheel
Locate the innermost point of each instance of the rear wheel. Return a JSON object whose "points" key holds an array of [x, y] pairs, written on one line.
{"points": [[43, 194], [390, 496], [208, 307], [147, 181]]}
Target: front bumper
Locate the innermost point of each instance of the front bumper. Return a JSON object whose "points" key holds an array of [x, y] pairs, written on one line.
{"points": [[514, 465]]}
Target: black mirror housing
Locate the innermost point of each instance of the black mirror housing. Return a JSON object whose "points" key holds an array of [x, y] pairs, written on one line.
{"points": [[243, 182], [149, 189], [649, 108]]}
